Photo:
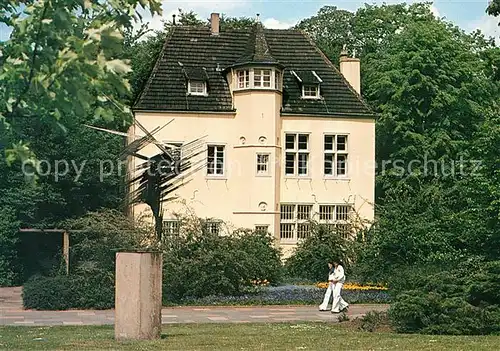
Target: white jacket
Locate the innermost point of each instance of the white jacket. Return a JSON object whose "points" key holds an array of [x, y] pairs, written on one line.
{"points": [[338, 274]]}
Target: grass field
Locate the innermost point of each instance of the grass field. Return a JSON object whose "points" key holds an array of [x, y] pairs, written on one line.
{"points": [[284, 336]]}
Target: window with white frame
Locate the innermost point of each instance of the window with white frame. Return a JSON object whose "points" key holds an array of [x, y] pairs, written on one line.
{"points": [[335, 155], [215, 160], [243, 79], [262, 164], [277, 80], [197, 87], [262, 228], [295, 221], [213, 226], [310, 91], [336, 216], [259, 78], [262, 78], [171, 227], [296, 154]]}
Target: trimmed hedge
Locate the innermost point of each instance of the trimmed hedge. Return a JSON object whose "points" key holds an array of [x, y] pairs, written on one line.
{"points": [[69, 292]]}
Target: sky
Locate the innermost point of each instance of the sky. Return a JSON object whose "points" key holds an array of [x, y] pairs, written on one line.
{"points": [[468, 14]]}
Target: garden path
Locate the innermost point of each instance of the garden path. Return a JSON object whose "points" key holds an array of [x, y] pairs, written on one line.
{"points": [[12, 313]]}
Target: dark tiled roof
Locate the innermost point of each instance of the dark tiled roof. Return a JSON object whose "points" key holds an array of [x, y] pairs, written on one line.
{"points": [[307, 77], [189, 49], [257, 50], [195, 73]]}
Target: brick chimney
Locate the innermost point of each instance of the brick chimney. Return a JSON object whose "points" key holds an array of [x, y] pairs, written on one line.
{"points": [[214, 22], [350, 69]]}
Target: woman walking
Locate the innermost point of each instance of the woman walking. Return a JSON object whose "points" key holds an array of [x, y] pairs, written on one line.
{"points": [[329, 290], [338, 280]]}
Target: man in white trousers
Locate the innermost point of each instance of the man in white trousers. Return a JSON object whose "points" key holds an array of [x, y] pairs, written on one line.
{"points": [[336, 279]]}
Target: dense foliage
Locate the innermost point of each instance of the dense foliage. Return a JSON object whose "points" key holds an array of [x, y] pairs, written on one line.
{"points": [[461, 301], [196, 263], [95, 239], [63, 292], [436, 91], [202, 264], [62, 60], [9, 266]]}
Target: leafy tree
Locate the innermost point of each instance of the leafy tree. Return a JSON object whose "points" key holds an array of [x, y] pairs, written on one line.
{"points": [[61, 60], [364, 31], [431, 94], [494, 8], [236, 22], [435, 89]]}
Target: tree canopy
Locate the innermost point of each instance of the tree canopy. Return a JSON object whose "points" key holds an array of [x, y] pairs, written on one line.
{"points": [[62, 60]]}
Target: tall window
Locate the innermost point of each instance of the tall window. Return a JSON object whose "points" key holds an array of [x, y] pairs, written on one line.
{"points": [[295, 221], [262, 164], [243, 79], [336, 216], [196, 87], [335, 155], [215, 160], [277, 80], [310, 91], [262, 78], [297, 154], [171, 227], [213, 226]]}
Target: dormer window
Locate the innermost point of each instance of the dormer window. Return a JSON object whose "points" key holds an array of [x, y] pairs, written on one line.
{"points": [[310, 91], [196, 79], [258, 78], [197, 87], [310, 83]]}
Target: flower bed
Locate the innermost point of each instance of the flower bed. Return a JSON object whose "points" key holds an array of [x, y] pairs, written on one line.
{"points": [[288, 295], [354, 286]]}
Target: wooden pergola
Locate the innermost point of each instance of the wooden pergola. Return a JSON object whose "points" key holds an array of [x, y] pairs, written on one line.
{"points": [[65, 237]]}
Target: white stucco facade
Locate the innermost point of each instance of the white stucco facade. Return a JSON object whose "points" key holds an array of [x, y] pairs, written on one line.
{"points": [[243, 196]]}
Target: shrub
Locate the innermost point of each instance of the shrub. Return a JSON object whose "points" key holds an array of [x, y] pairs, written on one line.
{"points": [[261, 255], [309, 260], [66, 292], [202, 264], [92, 264], [96, 238], [9, 227], [450, 302]]}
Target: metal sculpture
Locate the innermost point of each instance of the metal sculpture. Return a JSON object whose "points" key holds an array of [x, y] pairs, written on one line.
{"points": [[156, 178]]}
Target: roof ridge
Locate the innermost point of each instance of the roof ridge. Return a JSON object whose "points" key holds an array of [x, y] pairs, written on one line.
{"points": [[257, 49], [155, 68], [329, 63]]}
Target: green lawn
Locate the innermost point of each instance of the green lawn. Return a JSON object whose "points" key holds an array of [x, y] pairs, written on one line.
{"points": [[285, 336]]}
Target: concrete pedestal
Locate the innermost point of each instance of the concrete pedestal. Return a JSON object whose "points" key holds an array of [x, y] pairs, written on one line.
{"points": [[138, 295]]}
